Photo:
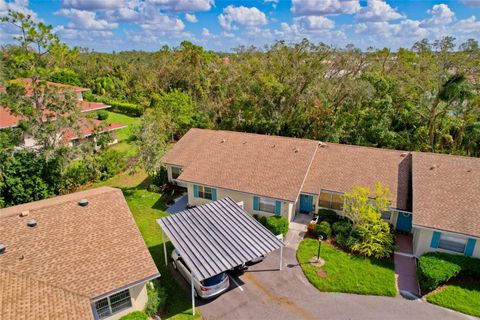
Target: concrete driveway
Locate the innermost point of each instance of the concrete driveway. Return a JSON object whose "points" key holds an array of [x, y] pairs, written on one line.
{"points": [[266, 293]]}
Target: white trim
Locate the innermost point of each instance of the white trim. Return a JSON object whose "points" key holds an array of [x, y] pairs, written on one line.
{"points": [[445, 231], [128, 286]]}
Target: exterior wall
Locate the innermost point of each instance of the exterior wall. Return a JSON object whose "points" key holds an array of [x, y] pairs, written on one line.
{"points": [[139, 297], [79, 96], [422, 239], [287, 209], [170, 179]]}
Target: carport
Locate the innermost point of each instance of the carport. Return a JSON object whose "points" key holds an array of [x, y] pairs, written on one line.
{"points": [[216, 237]]}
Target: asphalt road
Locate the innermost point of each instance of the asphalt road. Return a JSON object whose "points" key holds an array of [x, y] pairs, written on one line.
{"points": [[266, 293]]}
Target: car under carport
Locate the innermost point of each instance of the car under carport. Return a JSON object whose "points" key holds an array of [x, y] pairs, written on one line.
{"points": [[216, 237]]}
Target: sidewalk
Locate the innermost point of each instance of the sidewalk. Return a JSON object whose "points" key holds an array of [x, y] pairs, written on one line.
{"points": [[297, 230], [406, 267]]}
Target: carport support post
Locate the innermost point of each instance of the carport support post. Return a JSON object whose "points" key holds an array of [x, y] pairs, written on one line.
{"points": [[164, 247], [281, 258], [193, 295]]}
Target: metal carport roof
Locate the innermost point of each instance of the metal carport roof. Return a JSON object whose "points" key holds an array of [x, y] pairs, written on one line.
{"points": [[217, 236]]}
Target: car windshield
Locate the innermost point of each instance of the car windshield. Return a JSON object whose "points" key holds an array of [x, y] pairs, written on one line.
{"points": [[214, 280]]}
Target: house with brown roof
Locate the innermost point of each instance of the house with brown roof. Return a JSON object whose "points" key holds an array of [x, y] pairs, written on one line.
{"points": [[88, 127], [77, 256], [284, 176]]}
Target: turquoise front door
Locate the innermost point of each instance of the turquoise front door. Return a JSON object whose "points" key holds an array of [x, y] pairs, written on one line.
{"points": [[306, 203], [404, 222]]}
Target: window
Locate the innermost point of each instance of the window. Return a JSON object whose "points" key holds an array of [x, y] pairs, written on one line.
{"points": [[205, 192], [331, 200], [176, 171], [386, 215], [112, 304], [266, 205], [452, 243]]}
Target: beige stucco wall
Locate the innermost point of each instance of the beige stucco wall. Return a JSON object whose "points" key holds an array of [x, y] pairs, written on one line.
{"points": [[139, 297], [422, 238], [247, 199]]}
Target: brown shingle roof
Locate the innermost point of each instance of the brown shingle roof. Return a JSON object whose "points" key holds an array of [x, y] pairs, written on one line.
{"points": [[89, 251], [265, 165], [24, 298], [339, 167], [446, 192]]}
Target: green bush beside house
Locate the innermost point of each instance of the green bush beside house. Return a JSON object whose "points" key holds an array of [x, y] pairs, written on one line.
{"points": [[135, 315]]}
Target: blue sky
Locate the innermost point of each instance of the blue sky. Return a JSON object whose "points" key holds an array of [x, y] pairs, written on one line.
{"points": [[115, 25]]}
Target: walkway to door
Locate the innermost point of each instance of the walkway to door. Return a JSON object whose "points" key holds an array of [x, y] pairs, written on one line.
{"points": [[406, 267]]}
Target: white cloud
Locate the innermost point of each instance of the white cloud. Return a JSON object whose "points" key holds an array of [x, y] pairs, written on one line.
{"points": [[162, 23], [324, 7], [81, 19], [191, 18], [205, 32], [377, 10], [384, 30], [471, 3], [468, 26], [233, 17], [441, 15], [314, 23], [93, 4], [17, 5], [183, 5]]}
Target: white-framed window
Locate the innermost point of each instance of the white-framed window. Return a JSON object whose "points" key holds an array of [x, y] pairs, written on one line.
{"points": [[266, 204], [112, 304], [452, 243], [205, 192], [176, 171], [332, 200]]}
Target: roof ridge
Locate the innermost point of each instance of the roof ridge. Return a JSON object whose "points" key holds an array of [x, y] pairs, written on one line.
{"points": [[56, 200], [444, 154], [29, 276], [366, 147]]}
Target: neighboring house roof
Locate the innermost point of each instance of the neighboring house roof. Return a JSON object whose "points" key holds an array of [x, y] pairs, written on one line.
{"points": [[340, 167], [89, 126], [264, 165], [217, 236], [27, 84], [446, 192], [22, 298], [88, 251]]}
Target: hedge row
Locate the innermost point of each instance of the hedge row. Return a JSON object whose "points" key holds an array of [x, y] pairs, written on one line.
{"points": [[130, 109], [277, 225], [436, 268]]}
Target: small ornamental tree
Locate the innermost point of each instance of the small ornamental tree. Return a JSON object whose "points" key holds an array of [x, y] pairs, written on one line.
{"points": [[370, 235]]}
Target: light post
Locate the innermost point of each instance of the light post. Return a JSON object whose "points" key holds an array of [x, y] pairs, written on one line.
{"points": [[320, 238]]}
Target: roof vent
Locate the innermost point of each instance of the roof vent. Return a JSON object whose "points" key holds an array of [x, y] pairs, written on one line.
{"points": [[433, 167], [469, 170], [403, 154], [24, 213], [223, 141], [83, 203], [273, 145], [32, 223], [2, 248], [296, 150]]}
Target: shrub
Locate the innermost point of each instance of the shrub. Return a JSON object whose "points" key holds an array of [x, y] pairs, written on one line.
{"points": [[263, 220], [102, 115], [436, 268], [277, 225], [135, 315], [256, 217], [157, 297], [375, 239], [342, 228], [109, 163], [328, 215], [130, 109], [323, 228]]}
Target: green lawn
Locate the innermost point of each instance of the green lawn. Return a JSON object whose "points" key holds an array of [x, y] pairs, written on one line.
{"points": [[460, 297], [146, 208], [123, 134], [346, 272]]}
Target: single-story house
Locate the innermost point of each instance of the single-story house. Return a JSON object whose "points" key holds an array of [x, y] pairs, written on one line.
{"points": [[77, 256], [289, 176]]}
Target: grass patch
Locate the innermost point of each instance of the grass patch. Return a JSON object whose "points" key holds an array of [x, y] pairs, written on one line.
{"points": [[460, 297], [146, 207], [346, 272], [124, 133]]}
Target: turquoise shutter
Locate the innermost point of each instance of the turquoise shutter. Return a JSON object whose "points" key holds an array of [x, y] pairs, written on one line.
{"points": [[435, 239], [278, 208], [256, 203], [470, 247], [214, 194], [195, 191]]}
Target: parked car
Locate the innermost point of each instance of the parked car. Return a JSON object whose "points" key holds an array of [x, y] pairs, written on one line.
{"points": [[204, 289]]}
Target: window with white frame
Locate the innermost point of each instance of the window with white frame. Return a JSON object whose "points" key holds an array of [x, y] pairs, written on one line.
{"points": [[176, 171], [112, 304], [266, 204], [452, 243], [205, 192], [331, 200]]}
